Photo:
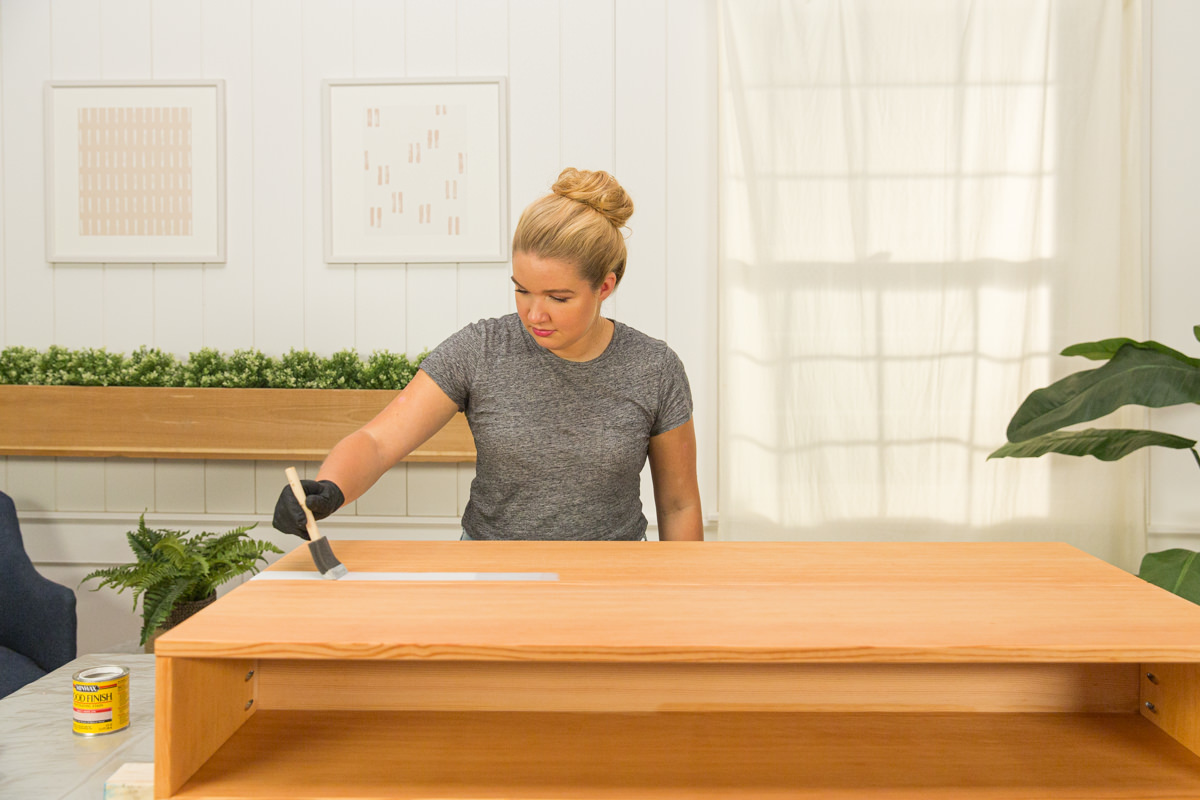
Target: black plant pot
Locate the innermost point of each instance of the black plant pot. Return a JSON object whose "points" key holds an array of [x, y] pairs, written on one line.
{"points": [[178, 614]]}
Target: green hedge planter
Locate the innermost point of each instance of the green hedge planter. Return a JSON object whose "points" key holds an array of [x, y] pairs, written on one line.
{"points": [[314, 404], [206, 368]]}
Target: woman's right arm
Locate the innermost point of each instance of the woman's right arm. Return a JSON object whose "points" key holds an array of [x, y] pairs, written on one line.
{"points": [[357, 461]]}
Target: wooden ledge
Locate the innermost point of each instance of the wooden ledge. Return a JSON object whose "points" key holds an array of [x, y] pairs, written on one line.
{"points": [[238, 424]]}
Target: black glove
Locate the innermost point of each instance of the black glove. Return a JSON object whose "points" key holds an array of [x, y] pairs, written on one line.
{"points": [[323, 498]]}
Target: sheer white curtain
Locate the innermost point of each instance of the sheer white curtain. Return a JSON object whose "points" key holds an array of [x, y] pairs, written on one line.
{"points": [[923, 201]]}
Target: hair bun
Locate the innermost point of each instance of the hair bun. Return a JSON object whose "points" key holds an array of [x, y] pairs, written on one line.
{"points": [[598, 190]]}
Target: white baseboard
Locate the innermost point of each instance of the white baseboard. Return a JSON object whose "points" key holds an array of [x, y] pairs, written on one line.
{"points": [[66, 537]]}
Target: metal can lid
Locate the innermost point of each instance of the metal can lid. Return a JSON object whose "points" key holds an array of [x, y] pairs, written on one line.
{"points": [[103, 673]]}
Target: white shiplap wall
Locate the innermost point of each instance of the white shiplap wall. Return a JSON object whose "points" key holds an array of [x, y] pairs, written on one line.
{"points": [[622, 85], [1174, 242]]}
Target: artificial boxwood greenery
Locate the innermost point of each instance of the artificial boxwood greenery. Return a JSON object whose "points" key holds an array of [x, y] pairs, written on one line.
{"points": [[206, 368]]}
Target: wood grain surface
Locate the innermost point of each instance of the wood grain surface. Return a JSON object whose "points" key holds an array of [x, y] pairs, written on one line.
{"points": [[261, 424], [583, 687], [198, 704], [298, 755], [713, 563], [666, 602], [1170, 695]]}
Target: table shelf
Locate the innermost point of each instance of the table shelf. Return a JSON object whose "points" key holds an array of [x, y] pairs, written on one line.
{"points": [[303, 755]]}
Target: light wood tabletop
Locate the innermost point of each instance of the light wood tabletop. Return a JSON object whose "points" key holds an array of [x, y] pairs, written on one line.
{"points": [[704, 601]]}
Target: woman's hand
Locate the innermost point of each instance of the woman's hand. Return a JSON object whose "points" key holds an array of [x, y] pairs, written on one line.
{"points": [[322, 498], [676, 490]]}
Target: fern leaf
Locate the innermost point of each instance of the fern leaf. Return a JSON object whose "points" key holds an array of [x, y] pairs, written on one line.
{"points": [[158, 607], [181, 554], [109, 576], [142, 541], [176, 566]]}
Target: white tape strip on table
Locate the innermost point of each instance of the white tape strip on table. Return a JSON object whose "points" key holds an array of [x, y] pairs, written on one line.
{"points": [[283, 575]]}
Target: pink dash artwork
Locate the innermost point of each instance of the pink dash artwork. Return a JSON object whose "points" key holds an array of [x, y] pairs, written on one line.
{"points": [[135, 171], [415, 167]]}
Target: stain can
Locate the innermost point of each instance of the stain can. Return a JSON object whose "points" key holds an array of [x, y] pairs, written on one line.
{"points": [[101, 700]]}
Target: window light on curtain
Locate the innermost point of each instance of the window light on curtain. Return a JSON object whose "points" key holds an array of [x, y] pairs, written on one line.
{"points": [[922, 202]]}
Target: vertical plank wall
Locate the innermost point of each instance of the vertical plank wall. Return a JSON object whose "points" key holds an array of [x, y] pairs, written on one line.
{"points": [[1174, 242], [622, 85]]}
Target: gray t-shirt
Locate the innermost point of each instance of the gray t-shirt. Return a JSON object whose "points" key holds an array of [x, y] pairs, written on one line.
{"points": [[560, 445]]}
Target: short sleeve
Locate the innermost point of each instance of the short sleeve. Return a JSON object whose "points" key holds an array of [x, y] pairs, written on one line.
{"points": [[452, 364], [675, 395]]}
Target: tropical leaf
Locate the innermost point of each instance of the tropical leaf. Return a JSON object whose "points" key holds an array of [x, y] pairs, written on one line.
{"points": [[1196, 332], [1177, 571], [1106, 444], [1133, 376], [1107, 348]]}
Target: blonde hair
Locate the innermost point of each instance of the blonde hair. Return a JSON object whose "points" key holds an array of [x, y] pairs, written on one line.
{"points": [[579, 222]]}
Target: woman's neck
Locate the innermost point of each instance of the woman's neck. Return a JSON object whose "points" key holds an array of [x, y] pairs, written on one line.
{"points": [[600, 334]]}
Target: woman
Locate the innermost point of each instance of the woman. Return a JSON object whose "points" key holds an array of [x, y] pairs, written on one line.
{"points": [[565, 405]]}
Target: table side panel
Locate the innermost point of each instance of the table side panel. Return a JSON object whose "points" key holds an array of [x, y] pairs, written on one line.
{"points": [[199, 704], [1173, 691]]}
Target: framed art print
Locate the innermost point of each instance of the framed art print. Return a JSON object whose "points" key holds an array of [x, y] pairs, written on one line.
{"points": [[135, 171], [415, 170]]}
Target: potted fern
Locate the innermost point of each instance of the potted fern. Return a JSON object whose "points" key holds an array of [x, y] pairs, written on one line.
{"points": [[177, 573], [1146, 373]]}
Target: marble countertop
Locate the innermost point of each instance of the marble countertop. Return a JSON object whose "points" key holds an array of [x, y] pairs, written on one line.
{"points": [[42, 759]]}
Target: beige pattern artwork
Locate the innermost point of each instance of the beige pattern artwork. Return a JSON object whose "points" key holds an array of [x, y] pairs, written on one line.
{"points": [[415, 170], [135, 171]]}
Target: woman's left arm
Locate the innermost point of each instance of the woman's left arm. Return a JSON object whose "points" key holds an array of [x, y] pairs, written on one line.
{"points": [[676, 490]]}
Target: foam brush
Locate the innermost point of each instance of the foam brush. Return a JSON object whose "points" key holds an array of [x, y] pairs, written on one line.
{"points": [[318, 545]]}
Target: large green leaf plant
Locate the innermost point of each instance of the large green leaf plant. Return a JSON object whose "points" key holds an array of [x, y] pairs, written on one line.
{"points": [[1146, 373], [175, 567]]}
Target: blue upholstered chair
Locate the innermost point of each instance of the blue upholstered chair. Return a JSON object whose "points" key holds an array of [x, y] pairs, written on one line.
{"points": [[37, 616]]}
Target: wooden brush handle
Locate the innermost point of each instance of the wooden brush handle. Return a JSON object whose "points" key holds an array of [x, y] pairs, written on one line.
{"points": [[298, 490]]}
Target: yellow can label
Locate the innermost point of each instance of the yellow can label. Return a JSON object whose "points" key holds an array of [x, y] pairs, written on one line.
{"points": [[101, 700]]}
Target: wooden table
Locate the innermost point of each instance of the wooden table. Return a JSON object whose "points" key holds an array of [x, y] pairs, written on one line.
{"points": [[685, 670]]}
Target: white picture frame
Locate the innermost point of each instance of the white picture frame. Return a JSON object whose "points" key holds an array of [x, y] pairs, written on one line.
{"points": [[415, 170], [135, 171]]}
